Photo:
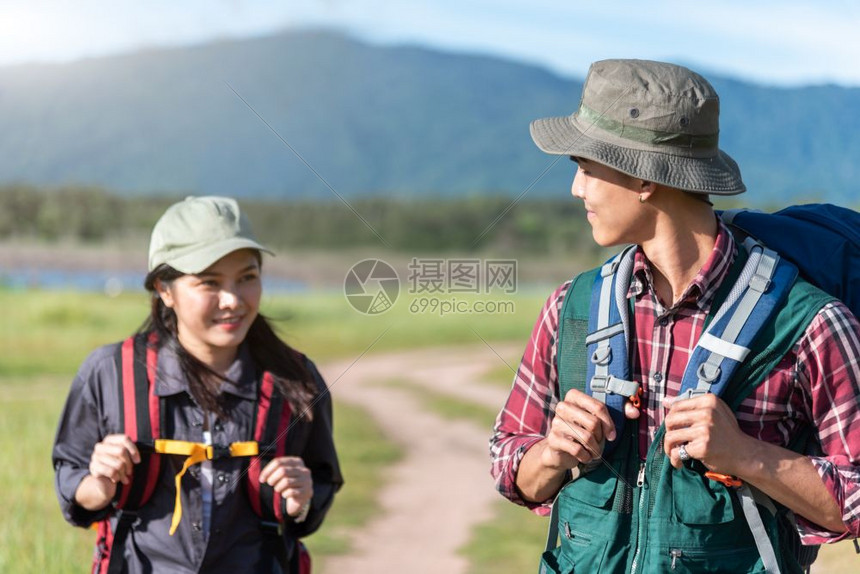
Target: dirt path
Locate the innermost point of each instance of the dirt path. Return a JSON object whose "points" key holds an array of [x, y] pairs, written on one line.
{"points": [[442, 487]]}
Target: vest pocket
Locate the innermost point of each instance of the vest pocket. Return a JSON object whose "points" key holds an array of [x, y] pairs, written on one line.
{"points": [[712, 561], [697, 500], [579, 552], [585, 503], [597, 488], [554, 562]]}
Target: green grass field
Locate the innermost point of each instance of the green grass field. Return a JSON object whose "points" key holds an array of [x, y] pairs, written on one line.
{"points": [[33, 535], [51, 332], [45, 335]]}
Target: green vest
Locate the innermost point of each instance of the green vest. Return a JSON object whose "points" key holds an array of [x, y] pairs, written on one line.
{"points": [[650, 517]]}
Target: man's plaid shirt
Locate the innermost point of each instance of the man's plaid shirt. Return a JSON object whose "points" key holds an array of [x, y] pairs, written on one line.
{"points": [[816, 384]]}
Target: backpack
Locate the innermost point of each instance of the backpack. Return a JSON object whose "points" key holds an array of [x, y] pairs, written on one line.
{"points": [[142, 417], [821, 239], [756, 293]]}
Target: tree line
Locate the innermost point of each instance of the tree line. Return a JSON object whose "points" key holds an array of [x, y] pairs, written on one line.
{"points": [[488, 224]]}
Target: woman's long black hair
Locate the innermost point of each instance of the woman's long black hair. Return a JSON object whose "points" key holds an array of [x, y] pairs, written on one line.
{"points": [[291, 375]]}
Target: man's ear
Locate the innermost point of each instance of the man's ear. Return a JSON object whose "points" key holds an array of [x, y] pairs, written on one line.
{"points": [[163, 291], [646, 189]]}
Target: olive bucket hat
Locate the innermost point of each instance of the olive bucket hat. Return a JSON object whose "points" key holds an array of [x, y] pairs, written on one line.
{"points": [[195, 233], [651, 120]]}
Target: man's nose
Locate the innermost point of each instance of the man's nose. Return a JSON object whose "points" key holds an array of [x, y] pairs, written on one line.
{"points": [[577, 188]]}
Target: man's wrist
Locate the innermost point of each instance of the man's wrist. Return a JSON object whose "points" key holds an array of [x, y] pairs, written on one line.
{"points": [[540, 474], [749, 467]]}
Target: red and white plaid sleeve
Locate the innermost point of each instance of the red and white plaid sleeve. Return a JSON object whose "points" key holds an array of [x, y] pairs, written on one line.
{"points": [[829, 363], [527, 414]]}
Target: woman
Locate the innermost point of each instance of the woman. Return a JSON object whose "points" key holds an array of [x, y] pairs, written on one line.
{"points": [[203, 443]]}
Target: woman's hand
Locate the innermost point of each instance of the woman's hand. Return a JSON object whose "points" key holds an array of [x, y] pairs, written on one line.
{"points": [[289, 476], [112, 461]]}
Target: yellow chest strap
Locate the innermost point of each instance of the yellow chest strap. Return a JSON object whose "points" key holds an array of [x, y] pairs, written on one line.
{"points": [[197, 452]]}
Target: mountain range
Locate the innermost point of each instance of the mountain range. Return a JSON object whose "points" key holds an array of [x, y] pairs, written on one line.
{"points": [[312, 113]]}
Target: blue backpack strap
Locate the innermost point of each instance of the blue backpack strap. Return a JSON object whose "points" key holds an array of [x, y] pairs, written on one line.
{"points": [[608, 371], [755, 298], [752, 303]]}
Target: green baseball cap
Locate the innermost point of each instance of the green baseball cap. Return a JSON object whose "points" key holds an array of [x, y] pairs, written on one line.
{"points": [[195, 233]]}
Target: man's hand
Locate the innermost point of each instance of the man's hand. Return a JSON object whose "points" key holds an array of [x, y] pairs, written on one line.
{"points": [[579, 431], [709, 429], [577, 435]]}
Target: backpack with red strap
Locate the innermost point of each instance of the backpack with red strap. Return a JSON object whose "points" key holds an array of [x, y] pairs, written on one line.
{"points": [[142, 419]]}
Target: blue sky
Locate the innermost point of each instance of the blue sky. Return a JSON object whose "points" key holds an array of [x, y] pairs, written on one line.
{"points": [[788, 42]]}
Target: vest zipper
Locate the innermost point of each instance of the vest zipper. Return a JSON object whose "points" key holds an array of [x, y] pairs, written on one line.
{"points": [[675, 554], [640, 482]]}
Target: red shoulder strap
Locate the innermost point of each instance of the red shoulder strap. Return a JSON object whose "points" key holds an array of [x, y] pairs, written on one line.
{"points": [[140, 414], [140, 419], [270, 432]]}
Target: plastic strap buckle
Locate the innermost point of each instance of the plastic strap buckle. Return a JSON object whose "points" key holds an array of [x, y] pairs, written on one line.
{"points": [[760, 283], [726, 479], [690, 393], [610, 268], [708, 373], [272, 528], [600, 382], [635, 399], [219, 451], [602, 356]]}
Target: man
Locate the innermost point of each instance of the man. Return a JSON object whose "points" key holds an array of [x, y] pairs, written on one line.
{"points": [[645, 140]]}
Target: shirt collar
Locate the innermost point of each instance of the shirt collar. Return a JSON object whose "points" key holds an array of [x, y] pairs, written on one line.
{"points": [[241, 376], [704, 285]]}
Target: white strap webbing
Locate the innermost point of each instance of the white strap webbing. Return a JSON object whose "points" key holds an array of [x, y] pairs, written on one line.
{"points": [[762, 540], [604, 352], [619, 267], [606, 333], [723, 347], [624, 272], [749, 287], [614, 386]]}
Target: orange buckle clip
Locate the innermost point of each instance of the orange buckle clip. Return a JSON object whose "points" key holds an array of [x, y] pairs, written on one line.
{"points": [[635, 400], [726, 479]]}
